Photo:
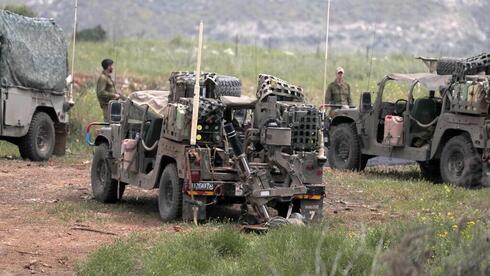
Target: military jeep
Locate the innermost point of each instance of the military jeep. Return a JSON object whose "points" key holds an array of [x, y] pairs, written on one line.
{"points": [[260, 152], [441, 121], [33, 102]]}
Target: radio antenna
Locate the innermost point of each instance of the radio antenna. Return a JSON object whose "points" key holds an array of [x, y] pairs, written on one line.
{"points": [[371, 59]]}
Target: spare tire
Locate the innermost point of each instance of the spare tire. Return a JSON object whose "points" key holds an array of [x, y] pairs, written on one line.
{"points": [[227, 86], [469, 66], [182, 85]]}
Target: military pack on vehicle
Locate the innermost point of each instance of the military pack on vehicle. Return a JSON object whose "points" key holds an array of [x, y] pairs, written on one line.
{"points": [[33, 69], [442, 123], [263, 151]]}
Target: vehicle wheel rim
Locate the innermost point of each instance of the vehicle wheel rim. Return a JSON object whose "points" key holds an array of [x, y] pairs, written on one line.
{"points": [[456, 163], [43, 139]]}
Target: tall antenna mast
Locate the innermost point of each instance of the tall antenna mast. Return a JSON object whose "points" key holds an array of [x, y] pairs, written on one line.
{"points": [[371, 60], [70, 98], [326, 53], [197, 88]]}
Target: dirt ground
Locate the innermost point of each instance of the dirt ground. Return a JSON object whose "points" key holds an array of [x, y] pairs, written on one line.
{"points": [[49, 221]]}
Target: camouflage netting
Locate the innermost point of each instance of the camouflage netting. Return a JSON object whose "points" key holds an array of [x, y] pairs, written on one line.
{"points": [[33, 53]]}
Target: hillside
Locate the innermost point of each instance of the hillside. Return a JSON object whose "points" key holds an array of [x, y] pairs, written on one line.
{"points": [[448, 27]]}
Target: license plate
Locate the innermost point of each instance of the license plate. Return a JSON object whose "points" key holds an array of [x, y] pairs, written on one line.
{"points": [[203, 186]]}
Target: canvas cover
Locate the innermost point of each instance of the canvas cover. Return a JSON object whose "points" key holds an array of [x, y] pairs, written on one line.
{"points": [[156, 100], [33, 53], [430, 81]]}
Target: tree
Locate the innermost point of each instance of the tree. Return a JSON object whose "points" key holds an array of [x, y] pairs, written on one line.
{"points": [[20, 9], [92, 34]]}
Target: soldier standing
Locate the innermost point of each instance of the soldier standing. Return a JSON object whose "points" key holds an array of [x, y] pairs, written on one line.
{"points": [[338, 92], [106, 90]]}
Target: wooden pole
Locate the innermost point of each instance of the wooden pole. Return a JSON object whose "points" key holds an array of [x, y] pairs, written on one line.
{"points": [[195, 103], [70, 98], [321, 152]]}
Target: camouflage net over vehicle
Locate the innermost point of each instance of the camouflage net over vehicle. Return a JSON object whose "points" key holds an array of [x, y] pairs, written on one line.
{"points": [[33, 53]]}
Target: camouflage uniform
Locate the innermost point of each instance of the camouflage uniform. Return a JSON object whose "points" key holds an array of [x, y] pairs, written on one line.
{"points": [[338, 93], [106, 92]]}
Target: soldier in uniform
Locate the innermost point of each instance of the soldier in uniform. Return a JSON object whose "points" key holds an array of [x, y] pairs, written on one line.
{"points": [[338, 92], [106, 90]]}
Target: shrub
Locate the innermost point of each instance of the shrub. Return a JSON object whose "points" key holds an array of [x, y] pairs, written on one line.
{"points": [[96, 34], [21, 10]]}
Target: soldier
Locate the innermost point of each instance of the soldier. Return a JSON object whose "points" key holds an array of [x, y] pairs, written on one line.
{"points": [[106, 90], [338, 92]]}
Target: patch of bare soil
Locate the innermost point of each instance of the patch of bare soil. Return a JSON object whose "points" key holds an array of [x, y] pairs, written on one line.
{"points": [[39, 206]]}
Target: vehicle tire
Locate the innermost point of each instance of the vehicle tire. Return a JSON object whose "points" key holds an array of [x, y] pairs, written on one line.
{"points": [[170, 194], [38, 144], [431, 170], [227, 86], [469, 66], [364, 161], [344, 152], [104, 188], [447, 66], [460, 162]]}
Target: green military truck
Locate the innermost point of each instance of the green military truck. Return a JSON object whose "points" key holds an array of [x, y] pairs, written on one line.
{"points": [[262, 152], [441, 121], [33, 69]]}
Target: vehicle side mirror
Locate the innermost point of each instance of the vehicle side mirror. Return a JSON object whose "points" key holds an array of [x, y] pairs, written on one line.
{"points": [[366, 104], [115, 109]]}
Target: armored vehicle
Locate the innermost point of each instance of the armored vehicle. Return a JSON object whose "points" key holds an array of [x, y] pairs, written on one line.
{"points": [[440, 120], [259, 152], [33, 69]]}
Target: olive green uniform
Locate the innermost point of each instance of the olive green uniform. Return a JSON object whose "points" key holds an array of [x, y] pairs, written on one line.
{"points": [[338, 93], [106, 92]]}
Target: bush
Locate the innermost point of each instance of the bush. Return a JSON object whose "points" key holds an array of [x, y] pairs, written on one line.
{"points": [[21, 10], [96, 34]]}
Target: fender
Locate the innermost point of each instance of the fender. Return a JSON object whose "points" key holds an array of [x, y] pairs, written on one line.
{"points": [[451, 125]]}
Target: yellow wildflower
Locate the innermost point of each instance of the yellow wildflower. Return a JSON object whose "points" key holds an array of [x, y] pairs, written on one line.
{"points": [[443, 234]]}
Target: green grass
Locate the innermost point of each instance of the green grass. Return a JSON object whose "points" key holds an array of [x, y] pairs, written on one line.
{"points": [[8, 150], [437, 230], [130, 209], [401, 190], [436, 249], [147, 64], [155, 60]]}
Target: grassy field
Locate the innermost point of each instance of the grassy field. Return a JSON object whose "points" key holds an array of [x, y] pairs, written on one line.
{"points": [[419, 228], [148, 64]]}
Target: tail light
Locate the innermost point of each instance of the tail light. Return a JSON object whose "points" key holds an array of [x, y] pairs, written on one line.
{"points": [[319, 172], [195, 176]]}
